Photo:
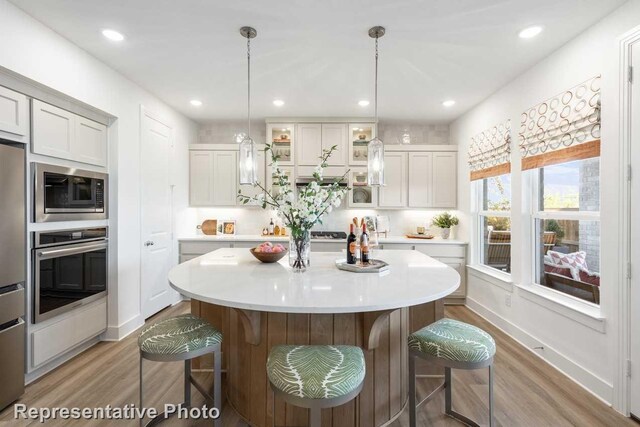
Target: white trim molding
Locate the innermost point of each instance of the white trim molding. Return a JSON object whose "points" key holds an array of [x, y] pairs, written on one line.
{"points": [[579, 374], [491, 275], [116, 333]]}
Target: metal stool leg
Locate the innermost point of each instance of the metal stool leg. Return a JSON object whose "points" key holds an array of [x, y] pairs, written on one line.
{"points": [[491, 423], [412, 391], [217, 386], [140, 383], [187, 383], [448, 401], [316, 417]]}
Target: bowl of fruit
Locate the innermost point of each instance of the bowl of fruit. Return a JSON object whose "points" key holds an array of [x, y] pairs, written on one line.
{"points": [[267, 252]]}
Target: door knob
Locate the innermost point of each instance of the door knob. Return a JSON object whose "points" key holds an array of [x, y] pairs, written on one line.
{"points": [[148, 243]]}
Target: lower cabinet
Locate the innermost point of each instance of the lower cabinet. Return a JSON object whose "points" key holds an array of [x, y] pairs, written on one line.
{"points": [[455, 257]]}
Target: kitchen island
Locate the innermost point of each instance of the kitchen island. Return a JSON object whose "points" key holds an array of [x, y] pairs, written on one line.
{"points": [[260, 305]]}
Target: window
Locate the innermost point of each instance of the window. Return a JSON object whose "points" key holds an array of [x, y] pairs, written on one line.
{"points": [[494, 222], [566, 224]]}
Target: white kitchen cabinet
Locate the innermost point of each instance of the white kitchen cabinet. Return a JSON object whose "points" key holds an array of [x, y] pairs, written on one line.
{"points": [[458, 264], [90, 142], [65, 135], [445, 180], [53, 130], [420, 179], [14, 115], [225, 181], [201, 178], [359, 136], [273, 186], [282, 138], [250, 190], [394, 193], [309, 143], [335, 134], [361, 195]]}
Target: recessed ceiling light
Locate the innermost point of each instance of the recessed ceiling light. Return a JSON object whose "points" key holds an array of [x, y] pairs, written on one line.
{"points": [[278, 102], [363, 103], [449, 103], [113, 35], [196, 102], [530, 32]]}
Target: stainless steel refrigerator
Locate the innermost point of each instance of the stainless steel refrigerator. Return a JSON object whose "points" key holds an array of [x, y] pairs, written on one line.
{"points": [[12, 271]]}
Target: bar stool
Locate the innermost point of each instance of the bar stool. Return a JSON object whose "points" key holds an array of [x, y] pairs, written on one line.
{"points": [[452, 345], [182, 338], [315, 376]]}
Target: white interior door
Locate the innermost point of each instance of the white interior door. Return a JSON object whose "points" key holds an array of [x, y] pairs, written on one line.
{"points": [[155, 197], [635, 237]]}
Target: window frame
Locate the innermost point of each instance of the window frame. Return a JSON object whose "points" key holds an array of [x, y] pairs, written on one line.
{"points": [[479, 213], [537, 214]]}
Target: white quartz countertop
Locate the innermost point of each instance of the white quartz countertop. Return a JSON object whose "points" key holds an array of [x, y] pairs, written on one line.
{"points": [[234, 278], [258, 238]]}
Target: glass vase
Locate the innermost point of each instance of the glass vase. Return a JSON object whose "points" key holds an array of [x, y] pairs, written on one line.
{"points": [[299, 248]]}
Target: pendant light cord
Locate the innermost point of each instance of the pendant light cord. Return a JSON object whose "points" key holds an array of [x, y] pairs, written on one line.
{"points": [[375, 100], [249, 87]]}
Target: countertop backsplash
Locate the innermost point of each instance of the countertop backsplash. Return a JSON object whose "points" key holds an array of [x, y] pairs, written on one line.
{"points": [[251, 221]]}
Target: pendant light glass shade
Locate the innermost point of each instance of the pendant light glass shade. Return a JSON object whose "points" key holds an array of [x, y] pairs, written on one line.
{"points": [[375, 148], [375, 162], [248, 156]]}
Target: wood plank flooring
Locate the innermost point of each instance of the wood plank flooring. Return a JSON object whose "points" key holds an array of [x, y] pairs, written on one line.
{"points": [[528, 392]]}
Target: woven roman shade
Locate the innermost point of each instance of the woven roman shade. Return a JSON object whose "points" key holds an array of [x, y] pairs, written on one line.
{"points": [[562, 129], [490, 151]]}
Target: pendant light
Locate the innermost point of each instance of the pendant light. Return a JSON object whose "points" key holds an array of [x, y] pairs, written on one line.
{"points": [[248, 154], [375, 149]]}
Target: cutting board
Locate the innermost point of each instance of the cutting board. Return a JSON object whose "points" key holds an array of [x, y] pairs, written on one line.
{"points": [[420, 236], [209, 227]]}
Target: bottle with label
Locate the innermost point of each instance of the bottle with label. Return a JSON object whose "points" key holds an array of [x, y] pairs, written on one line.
{"points": [[271, 227], [364, 245], [351, 246]]}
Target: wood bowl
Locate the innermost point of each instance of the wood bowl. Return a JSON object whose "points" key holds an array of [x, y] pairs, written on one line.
{"points": [[268, 257]]}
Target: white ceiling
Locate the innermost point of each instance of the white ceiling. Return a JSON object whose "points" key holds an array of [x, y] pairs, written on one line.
{"points": [[316, 55]]}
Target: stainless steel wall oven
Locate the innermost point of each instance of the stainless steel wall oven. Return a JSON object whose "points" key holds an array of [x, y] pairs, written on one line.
{"points": [[69, 270], [68, 194]]}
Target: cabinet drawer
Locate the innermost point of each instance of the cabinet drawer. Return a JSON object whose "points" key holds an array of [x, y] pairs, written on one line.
{"points": [[442, 251], [397, 246], [62, 336], [328, 246], [11, 304], [201, 248]]}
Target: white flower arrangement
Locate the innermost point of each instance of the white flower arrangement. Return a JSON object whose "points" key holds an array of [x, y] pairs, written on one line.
{"points": [[300, 213]]}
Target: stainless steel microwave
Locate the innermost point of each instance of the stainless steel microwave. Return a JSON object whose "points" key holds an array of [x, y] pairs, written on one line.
{"points": [[68, 194]]}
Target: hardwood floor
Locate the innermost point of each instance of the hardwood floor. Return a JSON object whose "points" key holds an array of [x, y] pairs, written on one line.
{"points": [[528, 392]]}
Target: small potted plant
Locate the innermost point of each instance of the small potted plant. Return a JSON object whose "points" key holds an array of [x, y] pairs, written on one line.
{"points": [[445, 221]]}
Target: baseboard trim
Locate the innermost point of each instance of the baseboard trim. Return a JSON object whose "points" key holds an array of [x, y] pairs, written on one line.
{"points": [[580, 375], [116, 333]]}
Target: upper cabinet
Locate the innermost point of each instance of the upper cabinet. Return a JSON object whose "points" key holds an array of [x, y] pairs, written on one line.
{"points": [[420, 180], [309, 145], [359, 136], [14, 115], [445, 180], [362, 195], [60, 133], [282, 138], [433, 179], [313, 138], [394, 193]]}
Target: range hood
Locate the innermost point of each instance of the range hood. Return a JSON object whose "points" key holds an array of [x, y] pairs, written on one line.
{"points": [[331, 174], [302, 181]]}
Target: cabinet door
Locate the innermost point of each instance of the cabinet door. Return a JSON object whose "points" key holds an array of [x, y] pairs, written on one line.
{"points": [[272, 186], [53, 131], [225, 178], [359, 136], [361, 194], [394, 193], [14, 115], [336, 134], [459, 266], [445, 182], [309, 146], [201, 178], [250, 190], [90, 142], [420, 180], [283, 140]]}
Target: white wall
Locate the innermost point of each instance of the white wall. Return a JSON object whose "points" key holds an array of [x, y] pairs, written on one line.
{"points": [[589, 356], [29, 48]]}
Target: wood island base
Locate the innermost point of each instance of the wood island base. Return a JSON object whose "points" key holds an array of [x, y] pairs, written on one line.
{"points": [[248, 336]]}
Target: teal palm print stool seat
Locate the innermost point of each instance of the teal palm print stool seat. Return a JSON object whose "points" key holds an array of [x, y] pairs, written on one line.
{"points": [[452, 345], [316, 376], [182, 338]]}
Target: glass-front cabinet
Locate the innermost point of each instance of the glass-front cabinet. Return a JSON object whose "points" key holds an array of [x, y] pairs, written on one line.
{"points": [[282, 138], [359, 136], [361, 195], [273, 186]]}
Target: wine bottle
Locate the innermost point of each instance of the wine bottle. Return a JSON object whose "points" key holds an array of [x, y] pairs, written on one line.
{"points": [[351, 246], [364, 245], [271, 227]]}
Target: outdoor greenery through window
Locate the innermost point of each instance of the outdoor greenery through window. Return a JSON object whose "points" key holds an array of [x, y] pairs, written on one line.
{"points": [[567, 228], [495, 222]]}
